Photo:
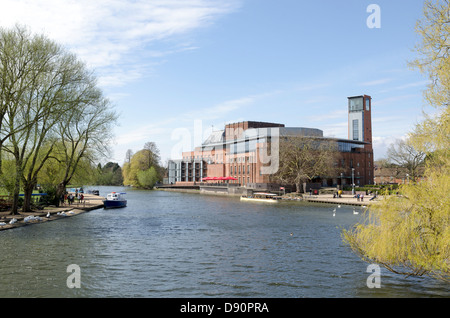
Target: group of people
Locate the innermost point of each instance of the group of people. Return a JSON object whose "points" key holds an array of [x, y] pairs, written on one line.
{"points": [[70, 198]]}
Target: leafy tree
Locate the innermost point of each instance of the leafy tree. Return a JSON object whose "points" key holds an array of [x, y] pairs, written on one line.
{"points": [[85, 131], [147, 178], [110, 174], [126, 173], [38, 73], [50, 110], [411, 234], [143, 169]]}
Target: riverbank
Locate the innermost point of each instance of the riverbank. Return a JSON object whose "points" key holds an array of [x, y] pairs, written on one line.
{"points": [[345, 199], [90, 202]]}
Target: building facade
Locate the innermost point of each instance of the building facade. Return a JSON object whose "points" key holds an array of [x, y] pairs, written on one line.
{"points": [[248, 152]]}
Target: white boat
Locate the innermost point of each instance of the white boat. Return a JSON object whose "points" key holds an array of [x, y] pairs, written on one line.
{"points": [[115, 200], [261, 197]]}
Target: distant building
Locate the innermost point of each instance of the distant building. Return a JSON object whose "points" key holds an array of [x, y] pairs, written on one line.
{"points": [[396, 175], [242, 151]]}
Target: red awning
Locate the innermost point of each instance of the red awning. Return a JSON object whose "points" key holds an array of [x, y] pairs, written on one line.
{"points": [[218, 178]]}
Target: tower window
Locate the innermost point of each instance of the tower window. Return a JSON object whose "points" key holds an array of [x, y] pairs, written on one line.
{"points": [[355, 129], [355, 104]]}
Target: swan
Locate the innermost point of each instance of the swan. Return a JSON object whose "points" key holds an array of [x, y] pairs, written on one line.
{"points": [[355, 212], [334, 212], [2, 223], [48, 215], [13, 221]]}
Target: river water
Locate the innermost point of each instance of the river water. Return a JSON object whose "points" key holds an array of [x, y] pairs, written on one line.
{"points": [[168, 244]]}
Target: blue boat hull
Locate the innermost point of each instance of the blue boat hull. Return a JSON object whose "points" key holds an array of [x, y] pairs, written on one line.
{"points": [[113, 204]]}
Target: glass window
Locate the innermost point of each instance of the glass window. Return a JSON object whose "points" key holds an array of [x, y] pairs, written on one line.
{"points": [[355, 129], [367, 103], [355, 104]]}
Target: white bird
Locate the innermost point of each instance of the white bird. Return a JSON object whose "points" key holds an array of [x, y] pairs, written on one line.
{"points": [[2, 223], [339, 206], [334, 212], [13, 221], [354, 211], [48, 214]]}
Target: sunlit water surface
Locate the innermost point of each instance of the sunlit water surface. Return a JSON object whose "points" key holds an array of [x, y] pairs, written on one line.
{"points": [[167, 244]]}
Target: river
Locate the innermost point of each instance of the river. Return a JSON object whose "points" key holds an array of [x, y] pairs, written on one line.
{"points": [[168, 244]]}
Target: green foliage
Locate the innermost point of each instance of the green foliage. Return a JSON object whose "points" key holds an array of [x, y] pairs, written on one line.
{"points": [[53, 117], [143, 170], [110, 174], [147, 178], [410, 234]]}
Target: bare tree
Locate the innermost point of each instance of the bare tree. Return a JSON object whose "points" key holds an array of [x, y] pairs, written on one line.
{"points": [[404, 154], [128, 155], [304, 158], [153, 153]]}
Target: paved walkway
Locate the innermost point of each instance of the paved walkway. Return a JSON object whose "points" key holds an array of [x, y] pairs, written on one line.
{"points": [[345, 199], [90, 202]]}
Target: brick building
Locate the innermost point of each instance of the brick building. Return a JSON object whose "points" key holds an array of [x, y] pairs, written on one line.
{"points": [[247, 152]]}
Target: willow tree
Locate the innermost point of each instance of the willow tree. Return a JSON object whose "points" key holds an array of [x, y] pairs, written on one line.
{"points": [[83, 134], [143, 170], [32, 97], [42, 86], [303, 158], [410, 234]]}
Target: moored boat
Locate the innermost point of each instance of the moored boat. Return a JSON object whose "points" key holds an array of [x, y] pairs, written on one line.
{"points": [[115, 200], [261, 197]]}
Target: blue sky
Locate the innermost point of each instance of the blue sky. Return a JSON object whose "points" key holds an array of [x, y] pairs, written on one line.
{"points": [[175, 69]]}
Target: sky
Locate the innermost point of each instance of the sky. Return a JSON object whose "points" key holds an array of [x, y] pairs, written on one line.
{"points": [[175, 70]]}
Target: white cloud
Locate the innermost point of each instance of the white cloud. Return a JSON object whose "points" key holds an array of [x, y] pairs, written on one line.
{"points": [[113, 33], [380, 144], [377, 82]]}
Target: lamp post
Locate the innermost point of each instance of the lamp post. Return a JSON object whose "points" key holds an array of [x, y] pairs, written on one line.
{"points": [[353, 181]]}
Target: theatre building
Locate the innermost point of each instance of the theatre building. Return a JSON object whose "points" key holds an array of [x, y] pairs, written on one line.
{"points": [[246, 153]]}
